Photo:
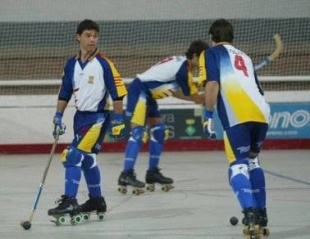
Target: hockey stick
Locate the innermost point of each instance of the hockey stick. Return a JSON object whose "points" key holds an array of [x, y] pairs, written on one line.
{"points": [[274, 55], [27, 224]]}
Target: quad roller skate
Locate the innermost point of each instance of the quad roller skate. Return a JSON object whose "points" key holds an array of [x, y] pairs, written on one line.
{"points": [[128, 178], [251, 228], [66, 207], [263, 221], [95, 205], [155, 176]]}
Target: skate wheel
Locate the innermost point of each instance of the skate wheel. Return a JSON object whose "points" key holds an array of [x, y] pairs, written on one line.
{"points": [[266, 231], [165, 188], [137, 191], [60, 221], [122, 190], [76, 219], [252, 233], [86, 216], [246, 231], [150, 187], [256, 229], [101, 216]]}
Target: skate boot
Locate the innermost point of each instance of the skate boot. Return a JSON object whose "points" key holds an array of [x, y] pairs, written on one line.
{"points": [[155, 176], [66, 207], [263, 221], [128, 178], [94, 205], [251, 228]]}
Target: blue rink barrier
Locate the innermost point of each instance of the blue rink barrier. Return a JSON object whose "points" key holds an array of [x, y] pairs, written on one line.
{"points": [[287, 121]]}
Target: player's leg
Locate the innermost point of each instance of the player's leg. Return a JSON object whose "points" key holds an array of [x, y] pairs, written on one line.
{"points": [[91, 141], [256, 172], [237, 148], [135, 141], [71, 159], [136, 114], [96, 201], [158, 135]]}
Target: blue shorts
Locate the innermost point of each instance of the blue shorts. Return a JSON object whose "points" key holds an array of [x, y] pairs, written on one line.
{"points": [[244, 138], [89, 130], [140, 103]]}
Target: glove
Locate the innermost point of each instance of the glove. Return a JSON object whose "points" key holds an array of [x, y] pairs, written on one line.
{"points": [[59, 127], [208, 125], [117, 127]]}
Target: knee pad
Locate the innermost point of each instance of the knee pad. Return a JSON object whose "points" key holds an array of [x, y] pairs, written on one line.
{"points": [[137, 134], [238, 168], [89, 161], [72, 157], [159, 133], [253, 163]]}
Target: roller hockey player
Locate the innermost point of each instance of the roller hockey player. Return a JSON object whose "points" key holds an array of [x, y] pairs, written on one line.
{"points": [[232, 86], [95, 84], [173, 76]]}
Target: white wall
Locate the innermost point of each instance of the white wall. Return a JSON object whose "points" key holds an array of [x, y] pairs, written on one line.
{"points": [[73, 10], [28, 119]]}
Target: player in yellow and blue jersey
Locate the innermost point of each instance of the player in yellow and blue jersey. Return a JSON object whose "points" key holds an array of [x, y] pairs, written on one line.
{"points": [[232, 85], [173, 76], [92, 79]]}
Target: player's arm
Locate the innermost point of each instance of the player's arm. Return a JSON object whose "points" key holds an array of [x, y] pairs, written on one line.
{"points": [[64, 96], [188, 88], [61, 106], [118, 91], [118, 106], [211, 93], [196, 97]]}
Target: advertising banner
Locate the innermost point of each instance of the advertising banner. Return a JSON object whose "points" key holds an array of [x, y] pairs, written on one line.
{"points": [[287, 121]]}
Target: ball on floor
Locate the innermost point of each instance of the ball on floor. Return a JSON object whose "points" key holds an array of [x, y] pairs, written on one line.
{"points": [[233, 221], [26, 225]]}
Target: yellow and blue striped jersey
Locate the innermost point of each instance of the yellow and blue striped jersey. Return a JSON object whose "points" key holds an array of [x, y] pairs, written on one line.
{"points": [[241, 98], [91, 83], [167, 76]]}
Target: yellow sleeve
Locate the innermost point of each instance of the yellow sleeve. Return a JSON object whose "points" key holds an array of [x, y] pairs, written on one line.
{"points": [[202, 70], [191, 84]]}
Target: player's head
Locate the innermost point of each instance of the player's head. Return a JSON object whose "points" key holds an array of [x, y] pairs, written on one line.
{"points": [[87, 24], [221, 30], [87, 34], [195, 49]]}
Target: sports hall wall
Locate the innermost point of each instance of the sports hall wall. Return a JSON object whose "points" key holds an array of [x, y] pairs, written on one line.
{"points": [[38, 37]]}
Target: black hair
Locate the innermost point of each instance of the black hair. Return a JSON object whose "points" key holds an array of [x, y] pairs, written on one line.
{"points": [[196, 47], [221, 30], [87, 24]]}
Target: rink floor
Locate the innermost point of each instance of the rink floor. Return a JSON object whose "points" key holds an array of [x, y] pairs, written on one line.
{"points": [[199, 207]]}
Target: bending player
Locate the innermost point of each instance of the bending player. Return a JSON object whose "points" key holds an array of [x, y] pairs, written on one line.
{"points": [[172, 76], [232, 84], [91, 78]]}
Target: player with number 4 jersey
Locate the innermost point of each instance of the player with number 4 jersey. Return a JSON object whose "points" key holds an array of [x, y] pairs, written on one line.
{"points": [[232, 85]]}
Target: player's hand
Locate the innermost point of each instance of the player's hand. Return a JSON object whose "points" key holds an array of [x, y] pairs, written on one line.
{"points": [[208, 125], [59, 127], [117, 127]]}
